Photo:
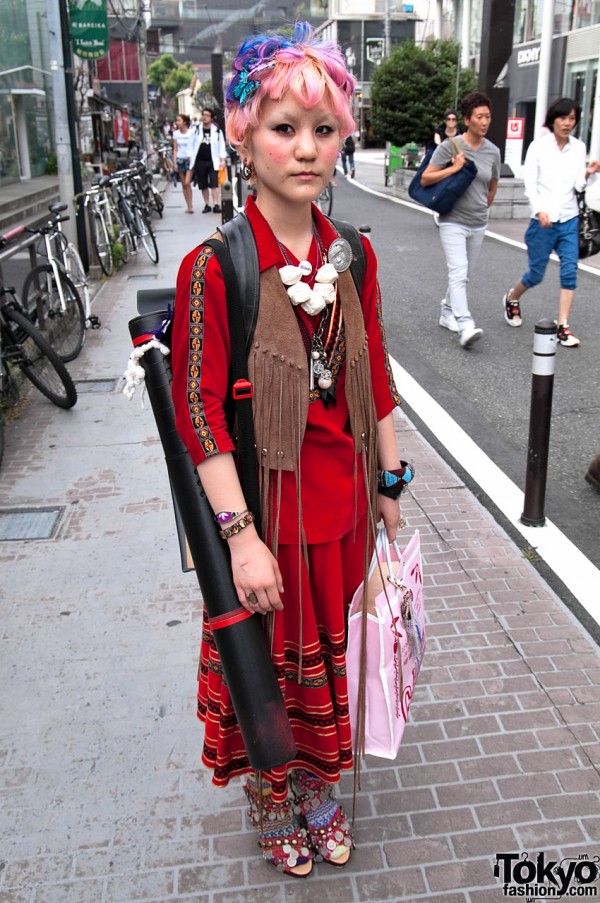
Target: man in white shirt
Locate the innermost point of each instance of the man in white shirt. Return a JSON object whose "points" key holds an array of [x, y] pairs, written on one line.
{"points": [[554, 170], [208, 156]]}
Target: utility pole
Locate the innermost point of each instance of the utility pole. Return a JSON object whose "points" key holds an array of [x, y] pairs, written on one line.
{"points": [[145, 110], [77, 186]]}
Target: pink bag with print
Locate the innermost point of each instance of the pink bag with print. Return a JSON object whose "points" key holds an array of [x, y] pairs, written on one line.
{"points": [[395, 643]]}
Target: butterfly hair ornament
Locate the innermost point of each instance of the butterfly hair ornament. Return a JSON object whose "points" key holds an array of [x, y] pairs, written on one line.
{"points": [[244, 85]]}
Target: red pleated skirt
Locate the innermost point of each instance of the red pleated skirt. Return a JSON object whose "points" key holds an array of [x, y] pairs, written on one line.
{"points": [[309, 655]]}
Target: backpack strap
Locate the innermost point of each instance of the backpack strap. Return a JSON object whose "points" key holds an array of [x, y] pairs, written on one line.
{"points": [[239, 240], [242, 389]]}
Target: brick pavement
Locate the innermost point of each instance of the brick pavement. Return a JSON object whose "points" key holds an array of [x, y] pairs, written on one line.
{"points": [[103, 798]]}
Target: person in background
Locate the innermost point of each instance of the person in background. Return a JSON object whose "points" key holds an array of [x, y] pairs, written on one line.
{"points": [[448, 129], [463, 228], [347, 154], [555, 169], [182, 148], [208, 158], [323, 407]]}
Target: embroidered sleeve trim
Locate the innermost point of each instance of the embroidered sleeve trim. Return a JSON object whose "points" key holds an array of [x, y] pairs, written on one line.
{"points": [[195, 351]]}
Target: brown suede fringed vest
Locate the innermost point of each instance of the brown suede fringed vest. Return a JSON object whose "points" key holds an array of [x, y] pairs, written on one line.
{"points": [[278, 370]]}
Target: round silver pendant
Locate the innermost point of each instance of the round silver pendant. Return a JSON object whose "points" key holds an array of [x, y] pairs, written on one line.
{"points": [[305, 267], [340, 254]]}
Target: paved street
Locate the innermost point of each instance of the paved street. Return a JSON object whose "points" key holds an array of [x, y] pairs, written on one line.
{"points": [[102, 795]]}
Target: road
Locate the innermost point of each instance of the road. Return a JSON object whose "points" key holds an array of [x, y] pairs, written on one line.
{"points": [[487, 388]]}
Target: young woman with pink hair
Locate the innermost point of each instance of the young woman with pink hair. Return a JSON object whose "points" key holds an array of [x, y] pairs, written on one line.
{"points": [[322, 406]]}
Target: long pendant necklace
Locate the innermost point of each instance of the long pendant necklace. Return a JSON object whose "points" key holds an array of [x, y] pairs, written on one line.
{"points": [[320, 372]]}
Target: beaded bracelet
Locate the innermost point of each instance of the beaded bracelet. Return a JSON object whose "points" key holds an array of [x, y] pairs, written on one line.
{"points": [[245, 521], [225, 517]]}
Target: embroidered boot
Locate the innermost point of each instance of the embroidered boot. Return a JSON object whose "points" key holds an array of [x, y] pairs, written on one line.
{"points": [[328, 827], [283, 841]]}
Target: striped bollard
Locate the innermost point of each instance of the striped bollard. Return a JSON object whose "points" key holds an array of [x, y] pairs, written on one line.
{"points": [[542, 384]]}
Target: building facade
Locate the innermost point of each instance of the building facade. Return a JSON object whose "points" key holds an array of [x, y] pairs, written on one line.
{"points": [[26, 100]]}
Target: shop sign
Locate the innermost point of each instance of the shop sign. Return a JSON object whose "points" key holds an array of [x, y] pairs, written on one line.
{"points": [[88, 24], [528, 56], [375, 50]]}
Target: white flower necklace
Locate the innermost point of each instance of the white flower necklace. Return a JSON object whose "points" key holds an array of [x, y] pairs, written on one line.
{"points": [[312, 300]]}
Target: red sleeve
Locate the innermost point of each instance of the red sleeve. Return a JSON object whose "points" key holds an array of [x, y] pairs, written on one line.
{"points": [[384, 388], [200, 356]]}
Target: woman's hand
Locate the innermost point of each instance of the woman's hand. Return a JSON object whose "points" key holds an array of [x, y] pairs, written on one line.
{"points": [[544, 220], [389, 512], [458, 162], [256, 574]]}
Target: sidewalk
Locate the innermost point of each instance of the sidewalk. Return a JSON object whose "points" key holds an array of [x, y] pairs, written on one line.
{"points": [[103, 797]]}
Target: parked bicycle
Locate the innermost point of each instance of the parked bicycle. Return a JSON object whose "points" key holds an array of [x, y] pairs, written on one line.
{"points": [[97, 202], [125, 184], [52, 301]]}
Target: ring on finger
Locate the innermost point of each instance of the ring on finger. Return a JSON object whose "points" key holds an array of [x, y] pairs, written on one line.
{"points": [[401, 523], [251, 598]]}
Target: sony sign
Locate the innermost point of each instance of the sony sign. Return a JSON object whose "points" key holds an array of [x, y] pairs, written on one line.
{"points": [[528, 56]]}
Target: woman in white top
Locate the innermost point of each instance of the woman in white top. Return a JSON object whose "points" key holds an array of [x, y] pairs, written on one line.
{"points": [[554, 170], [182, 151]]}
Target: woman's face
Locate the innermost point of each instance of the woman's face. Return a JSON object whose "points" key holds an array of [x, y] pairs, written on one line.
{"points": [[293, 150], [479, 122], [450, 122], [180, 123], [564, 125]]}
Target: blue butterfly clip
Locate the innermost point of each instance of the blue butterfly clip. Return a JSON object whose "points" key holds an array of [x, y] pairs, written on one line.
{"points": [[245, 88]]}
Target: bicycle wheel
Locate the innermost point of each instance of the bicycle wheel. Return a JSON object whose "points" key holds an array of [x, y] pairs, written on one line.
{"points": [[146, 235], [76, 273], [159, 204], [101, 242], [37, 359], [325, 200], [63, 327]]}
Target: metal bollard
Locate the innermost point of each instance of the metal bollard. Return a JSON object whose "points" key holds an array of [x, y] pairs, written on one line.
{"points": [[542, 383], [226, 202]]}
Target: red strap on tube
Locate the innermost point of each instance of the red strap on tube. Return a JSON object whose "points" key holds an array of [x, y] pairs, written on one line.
{"points": [[229, 618]]}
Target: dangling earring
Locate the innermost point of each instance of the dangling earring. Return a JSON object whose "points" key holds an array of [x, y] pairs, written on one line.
{"points": [[247, 171]]}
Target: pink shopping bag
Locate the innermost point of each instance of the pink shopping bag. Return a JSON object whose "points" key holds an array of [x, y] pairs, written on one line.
{"points": [[395, 644]]}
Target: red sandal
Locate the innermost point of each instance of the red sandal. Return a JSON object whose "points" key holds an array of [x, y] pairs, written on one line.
{"points": [[328, 826], [283, 840]]}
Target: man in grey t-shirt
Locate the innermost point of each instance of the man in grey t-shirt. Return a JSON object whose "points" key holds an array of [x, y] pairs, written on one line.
{"points": [[462, 230]]}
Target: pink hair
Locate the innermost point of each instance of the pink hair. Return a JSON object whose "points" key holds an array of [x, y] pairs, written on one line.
{"points": [[311, 71]]}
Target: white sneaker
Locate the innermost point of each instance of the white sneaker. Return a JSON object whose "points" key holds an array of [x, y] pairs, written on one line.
{"points": [[470, 335], [448, 321]]}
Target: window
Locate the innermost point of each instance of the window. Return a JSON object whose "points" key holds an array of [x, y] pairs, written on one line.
{"points": [[121, 64]]}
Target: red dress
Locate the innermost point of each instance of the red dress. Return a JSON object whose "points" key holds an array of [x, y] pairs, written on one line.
{"points": [[332, 506]]}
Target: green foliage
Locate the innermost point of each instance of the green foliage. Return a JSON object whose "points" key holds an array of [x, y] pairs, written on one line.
{"points": [[178, 79], [413, 88], [160, 69]]}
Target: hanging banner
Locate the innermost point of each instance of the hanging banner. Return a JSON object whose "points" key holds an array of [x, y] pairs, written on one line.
{"points": [[89, 28]]}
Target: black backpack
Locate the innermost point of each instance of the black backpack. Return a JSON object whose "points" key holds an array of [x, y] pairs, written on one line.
{"points": [[239, 240]]}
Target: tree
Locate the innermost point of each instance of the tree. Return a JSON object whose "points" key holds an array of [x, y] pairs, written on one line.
{"points": [[169, 75], [413, 88]]}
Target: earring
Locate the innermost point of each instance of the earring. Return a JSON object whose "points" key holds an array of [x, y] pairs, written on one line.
{"points": [[247, 171]]}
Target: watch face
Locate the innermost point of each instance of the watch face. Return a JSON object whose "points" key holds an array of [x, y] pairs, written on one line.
{"points": [[340, 254]]}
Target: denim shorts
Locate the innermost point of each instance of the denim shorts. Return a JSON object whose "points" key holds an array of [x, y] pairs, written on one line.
{"points": [[541, 242], [183, 165]]}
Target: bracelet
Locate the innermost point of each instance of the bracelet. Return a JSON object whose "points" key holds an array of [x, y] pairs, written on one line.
{"points": [[225, 517], [245, 521], [391, 483]]}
